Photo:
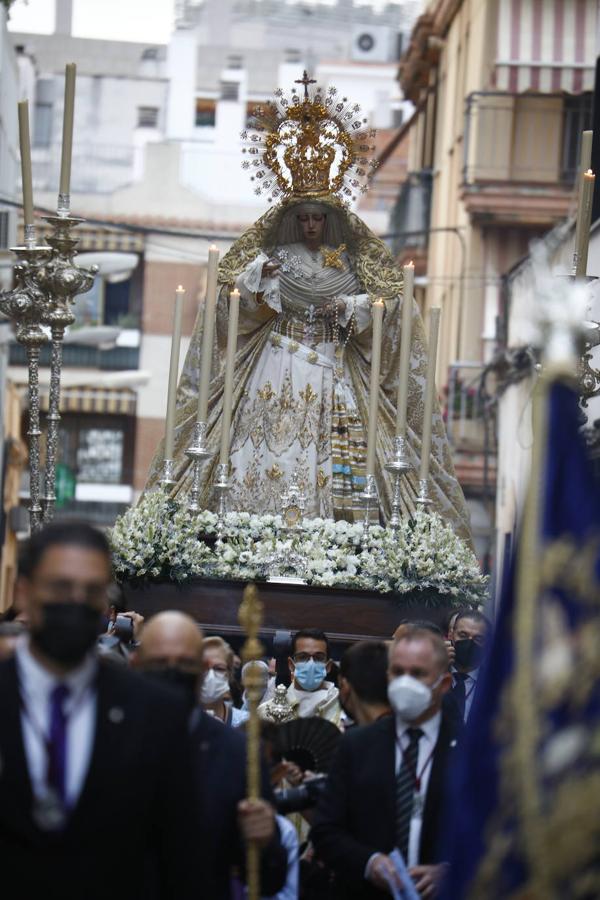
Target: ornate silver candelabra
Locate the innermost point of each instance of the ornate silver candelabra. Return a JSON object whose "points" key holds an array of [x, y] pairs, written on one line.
{"points": [[197, 453], [398, 466], [47, 281], [63, 279], [26, 306]]}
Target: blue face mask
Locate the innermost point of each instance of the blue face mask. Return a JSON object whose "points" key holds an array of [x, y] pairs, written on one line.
{"points": [[310, 674]]}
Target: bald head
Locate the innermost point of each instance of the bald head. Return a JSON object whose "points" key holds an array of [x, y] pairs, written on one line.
{"points": [[171, 638]]}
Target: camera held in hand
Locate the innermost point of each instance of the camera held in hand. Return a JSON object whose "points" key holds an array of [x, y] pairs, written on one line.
{"points": [[123, 628], [305, 796]]}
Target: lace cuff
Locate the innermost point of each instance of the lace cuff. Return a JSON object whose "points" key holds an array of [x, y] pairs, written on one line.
{"points": [[251, 282]]}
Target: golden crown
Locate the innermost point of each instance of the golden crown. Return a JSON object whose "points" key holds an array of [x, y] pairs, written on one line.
{"points": [[310, 146]]}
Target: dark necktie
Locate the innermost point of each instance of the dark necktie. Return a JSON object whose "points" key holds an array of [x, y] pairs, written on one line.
{"points": [[405, 790], [57, 743], [460, 691]]}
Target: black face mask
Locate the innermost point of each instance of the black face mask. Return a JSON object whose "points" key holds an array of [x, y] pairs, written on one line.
{"points": [[468, 654], [184, 682], [68, 631]]}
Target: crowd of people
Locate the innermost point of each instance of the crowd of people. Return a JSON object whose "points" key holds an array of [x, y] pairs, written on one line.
{"points": [[123, 747]]}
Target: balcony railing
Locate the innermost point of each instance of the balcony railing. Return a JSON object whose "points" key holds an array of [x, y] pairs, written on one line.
{"points": [[80, 356], [526, 138], [409, 221]]}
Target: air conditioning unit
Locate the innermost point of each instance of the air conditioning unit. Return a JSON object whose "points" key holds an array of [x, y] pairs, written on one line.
{"points": [[371, 43]]}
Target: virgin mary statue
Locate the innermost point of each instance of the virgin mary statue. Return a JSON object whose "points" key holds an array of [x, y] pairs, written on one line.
{"points": [[308, 271]]}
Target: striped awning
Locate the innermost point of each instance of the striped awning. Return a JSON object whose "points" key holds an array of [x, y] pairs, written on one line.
{"points": [[84, 399], [546, 45]]}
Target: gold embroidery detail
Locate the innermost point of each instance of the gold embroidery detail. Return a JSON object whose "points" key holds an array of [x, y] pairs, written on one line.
{"points": [[274, 472], [276, 340], [332, 259], [308, 395], [293, 347], [266, 393], [322, 479], [313, 357]]}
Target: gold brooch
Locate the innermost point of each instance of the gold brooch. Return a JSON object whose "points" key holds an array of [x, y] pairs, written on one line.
{"points": [[332, 259], [274, 473]]}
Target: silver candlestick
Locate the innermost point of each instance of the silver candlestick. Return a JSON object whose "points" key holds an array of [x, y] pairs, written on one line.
{"points": [[370, 496], [64, 280], [26, 306], [222, 487], [398, 466], [424, 500], [197, 453], [167, 478]]}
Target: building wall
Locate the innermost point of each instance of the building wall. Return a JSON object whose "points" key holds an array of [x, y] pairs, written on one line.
{"points": [[9, 95]]}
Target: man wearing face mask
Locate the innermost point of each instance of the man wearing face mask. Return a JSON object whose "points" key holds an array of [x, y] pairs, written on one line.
{"points": [[172, 650], [470, 633], [310, 693], [386, 783], [87, 749]]}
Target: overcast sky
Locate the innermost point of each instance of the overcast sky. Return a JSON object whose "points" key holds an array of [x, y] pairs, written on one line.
{"points": [[148, 21], [130, 20]]}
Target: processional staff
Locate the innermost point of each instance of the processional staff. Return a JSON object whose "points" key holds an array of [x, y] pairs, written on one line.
{"points": [[250, 618]]}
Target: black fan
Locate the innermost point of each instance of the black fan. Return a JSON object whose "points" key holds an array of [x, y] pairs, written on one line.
{"points": [[310, 743]]}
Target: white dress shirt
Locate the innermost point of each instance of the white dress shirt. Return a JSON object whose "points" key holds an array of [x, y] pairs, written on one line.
{"points": [[427, 742], [36, 685]]}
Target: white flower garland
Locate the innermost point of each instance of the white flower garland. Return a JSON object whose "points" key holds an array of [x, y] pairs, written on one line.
{"points": [[160, 539]]}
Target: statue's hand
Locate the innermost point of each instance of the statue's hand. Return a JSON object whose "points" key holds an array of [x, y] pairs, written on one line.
{"points": [[271, 268], [328, 310]]}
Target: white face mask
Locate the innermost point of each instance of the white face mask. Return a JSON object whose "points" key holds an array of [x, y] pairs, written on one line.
{"points": [[409, 697], [214, 686]]}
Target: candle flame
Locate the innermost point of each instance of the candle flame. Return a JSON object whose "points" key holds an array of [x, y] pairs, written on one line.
{"points": [[180, 288], [411, 264], [590, 173]]}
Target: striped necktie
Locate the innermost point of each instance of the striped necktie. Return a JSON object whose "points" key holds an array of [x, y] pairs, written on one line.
{"points": [[405, 790]]}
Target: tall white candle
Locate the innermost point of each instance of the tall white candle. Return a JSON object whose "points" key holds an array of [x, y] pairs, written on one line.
{"points": [[25, 146], [232, 331], [434, 325], [173, 373], [377, 312], [584, 219], [208, 332], [67, 138], [587, 138], [405, 342]]}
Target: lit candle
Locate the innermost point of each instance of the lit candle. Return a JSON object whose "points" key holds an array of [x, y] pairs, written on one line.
{"points": [[405, 340], [584, 218], [67, 138], [26, 162], [232, 330], [434, 325], [377, 311], [173, 373], [208, 332], [587, 138]]}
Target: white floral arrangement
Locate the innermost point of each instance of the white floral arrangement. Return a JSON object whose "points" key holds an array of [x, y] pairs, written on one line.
{"points": [[160, 539]]}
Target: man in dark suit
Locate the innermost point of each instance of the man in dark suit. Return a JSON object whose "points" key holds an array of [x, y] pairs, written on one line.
{"points": [[171, 649], [386, 783], [95, 771]]}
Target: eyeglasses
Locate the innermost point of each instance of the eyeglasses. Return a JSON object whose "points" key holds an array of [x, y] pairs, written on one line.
{"points": [[62, 590], [305, 657]]}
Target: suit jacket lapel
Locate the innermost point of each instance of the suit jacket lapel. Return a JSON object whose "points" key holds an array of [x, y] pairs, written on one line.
{"points": [[15, 783], [111, 718], [442, 759]]}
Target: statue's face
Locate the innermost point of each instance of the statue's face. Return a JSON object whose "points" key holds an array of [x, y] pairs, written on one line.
{"points": [[313, 225]]}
